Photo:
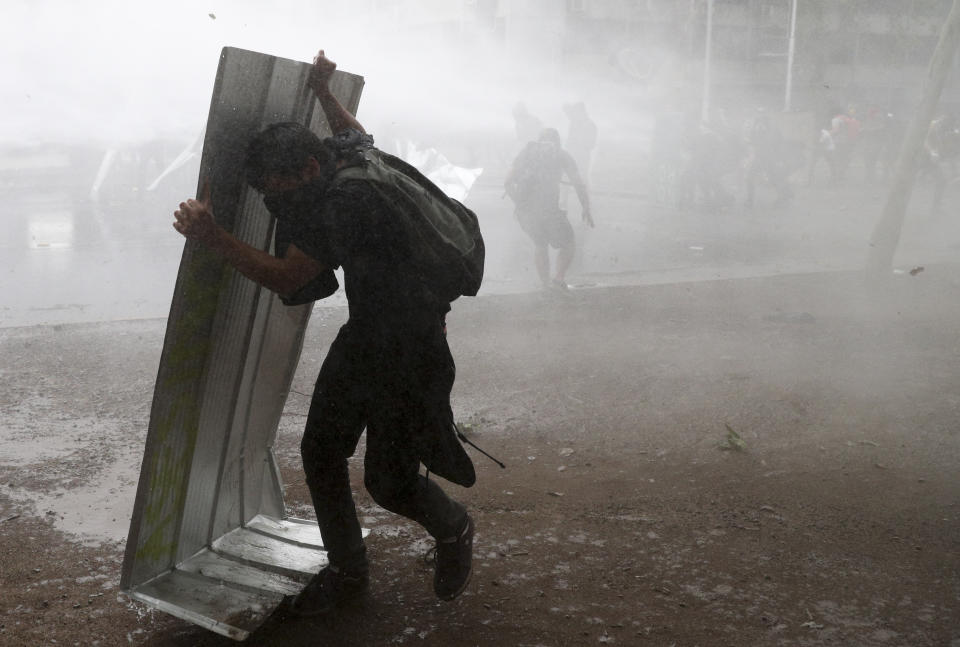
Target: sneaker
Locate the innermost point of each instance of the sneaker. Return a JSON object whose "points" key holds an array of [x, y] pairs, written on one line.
{"points": [[454, 563], [329, 588]]}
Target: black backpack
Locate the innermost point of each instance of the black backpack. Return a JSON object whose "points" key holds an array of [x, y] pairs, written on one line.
{"points": [[444, 235], [528, 174]]}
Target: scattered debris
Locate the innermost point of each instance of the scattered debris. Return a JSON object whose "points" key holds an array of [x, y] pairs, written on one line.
{"points": [[916, 270], [212, 16], [740, 527], [868, 442], [566, 451], [555, 493], [811, 625], [10, 518], [792, 318], [733, 441]]}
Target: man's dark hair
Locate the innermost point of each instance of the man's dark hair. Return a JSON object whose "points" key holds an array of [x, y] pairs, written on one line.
{"points": [[282, 149]]}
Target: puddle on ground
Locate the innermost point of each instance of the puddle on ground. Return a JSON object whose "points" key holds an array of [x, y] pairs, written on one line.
{"points": [[81, 473]]}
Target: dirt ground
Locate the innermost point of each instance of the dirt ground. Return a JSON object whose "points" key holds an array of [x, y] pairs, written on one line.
{"points": [[752, 462]]}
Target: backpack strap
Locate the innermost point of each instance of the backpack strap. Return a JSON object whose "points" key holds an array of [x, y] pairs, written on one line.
{"points": [[356, 169]]}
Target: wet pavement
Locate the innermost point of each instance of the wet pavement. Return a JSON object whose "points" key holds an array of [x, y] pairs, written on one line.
{"points": [[72, 254]]}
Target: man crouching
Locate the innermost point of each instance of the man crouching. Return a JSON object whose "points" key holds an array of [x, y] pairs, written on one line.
{"points": [[389, 370]]}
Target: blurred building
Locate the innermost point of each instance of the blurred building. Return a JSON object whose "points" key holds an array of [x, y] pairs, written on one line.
{"points": [[859, 51], [862, 51]]}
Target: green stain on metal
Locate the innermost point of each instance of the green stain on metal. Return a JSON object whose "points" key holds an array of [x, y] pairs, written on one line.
{"points": [[178, 425]]}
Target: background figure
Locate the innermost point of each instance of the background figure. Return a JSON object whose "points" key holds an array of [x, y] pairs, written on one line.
{"points": [[939, 148], [664, 158], [711, 151], [822, 148], [893, 131], [768, 157], [875, 135], [526, 126], [581, 138], [533, 184], [689, 143], [845, 131]]}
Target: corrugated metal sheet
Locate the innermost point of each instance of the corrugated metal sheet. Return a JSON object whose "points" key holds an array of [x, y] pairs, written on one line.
{"points": [[208, 540]]}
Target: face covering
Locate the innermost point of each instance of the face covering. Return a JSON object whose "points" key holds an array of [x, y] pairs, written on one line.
{"points": [[300, 203]]}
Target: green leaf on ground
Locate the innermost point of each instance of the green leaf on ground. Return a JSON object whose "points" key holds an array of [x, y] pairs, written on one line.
{"points": [[733, 441]]}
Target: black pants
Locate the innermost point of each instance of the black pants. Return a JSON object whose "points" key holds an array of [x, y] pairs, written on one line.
{"points": [[390, 382]]}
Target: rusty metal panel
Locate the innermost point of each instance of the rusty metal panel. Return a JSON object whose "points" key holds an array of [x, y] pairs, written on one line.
{"points": [[209, 487]]}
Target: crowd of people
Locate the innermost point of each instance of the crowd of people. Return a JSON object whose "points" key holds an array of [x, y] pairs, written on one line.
{"points": [[753, 161], [716, 164]]}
